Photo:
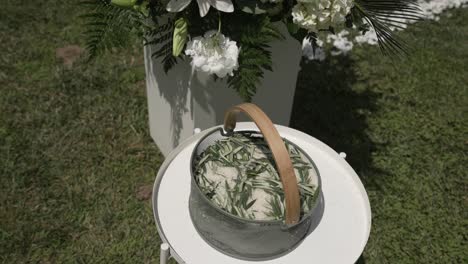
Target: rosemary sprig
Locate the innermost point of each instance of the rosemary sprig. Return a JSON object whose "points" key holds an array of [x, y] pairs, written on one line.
{"points": [[232, 169]]}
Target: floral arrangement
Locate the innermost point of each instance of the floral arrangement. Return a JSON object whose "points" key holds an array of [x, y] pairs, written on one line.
{"points": [[230, 38]]}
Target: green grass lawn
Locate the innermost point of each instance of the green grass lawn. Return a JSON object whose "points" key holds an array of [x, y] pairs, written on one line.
{"points": [[75, 147]]}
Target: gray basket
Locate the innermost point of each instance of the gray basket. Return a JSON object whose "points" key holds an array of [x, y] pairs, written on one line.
{"points": [[238, 237]]}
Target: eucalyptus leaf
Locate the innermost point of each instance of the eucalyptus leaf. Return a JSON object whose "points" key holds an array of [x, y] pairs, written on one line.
{"points": [[250, 204]]}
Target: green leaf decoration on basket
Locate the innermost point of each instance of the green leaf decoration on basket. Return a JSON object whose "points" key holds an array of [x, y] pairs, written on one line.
{"points": [[238, 174]]}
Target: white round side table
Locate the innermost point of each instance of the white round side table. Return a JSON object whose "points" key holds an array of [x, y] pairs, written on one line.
{"points": [[339, 235]]}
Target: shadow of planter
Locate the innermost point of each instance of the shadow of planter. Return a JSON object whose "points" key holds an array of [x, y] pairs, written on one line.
{"points": [[327, 107]]}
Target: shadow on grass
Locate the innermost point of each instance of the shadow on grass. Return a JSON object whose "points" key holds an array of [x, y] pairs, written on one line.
{"points": [[361, 260], [326, 107]]}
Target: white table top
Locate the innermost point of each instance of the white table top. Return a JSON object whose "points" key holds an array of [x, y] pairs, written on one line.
{"points": [[339, 237]]}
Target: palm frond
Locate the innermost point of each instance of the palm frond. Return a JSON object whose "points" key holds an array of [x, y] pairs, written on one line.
{"points": [[385, 15]]}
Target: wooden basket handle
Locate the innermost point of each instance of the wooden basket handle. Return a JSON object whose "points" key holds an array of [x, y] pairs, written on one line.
{"points": [[280, 154]]}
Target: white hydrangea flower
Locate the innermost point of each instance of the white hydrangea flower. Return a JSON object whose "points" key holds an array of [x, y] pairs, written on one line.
{"points": [[321, 14], [341, 43], [370, 37], [213, 54]]}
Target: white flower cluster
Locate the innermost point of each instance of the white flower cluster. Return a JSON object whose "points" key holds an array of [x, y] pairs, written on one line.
{"points": [[432, 9], [343, 43], [367, 38], [321, 14], [213, 54]]}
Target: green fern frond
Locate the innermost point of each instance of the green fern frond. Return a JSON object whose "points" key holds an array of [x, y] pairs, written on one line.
{"points": [[161, 36], [250, 72], [254, 56], [109, 27]]}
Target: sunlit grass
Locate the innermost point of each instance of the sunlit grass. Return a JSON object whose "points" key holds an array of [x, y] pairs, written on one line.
{"points": [[74, 143]]}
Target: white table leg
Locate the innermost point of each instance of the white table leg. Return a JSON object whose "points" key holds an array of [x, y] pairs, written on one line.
{"points": [[164, 255]]}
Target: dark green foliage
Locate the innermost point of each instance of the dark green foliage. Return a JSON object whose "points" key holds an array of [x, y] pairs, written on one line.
{"points": [[108, 26]]}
